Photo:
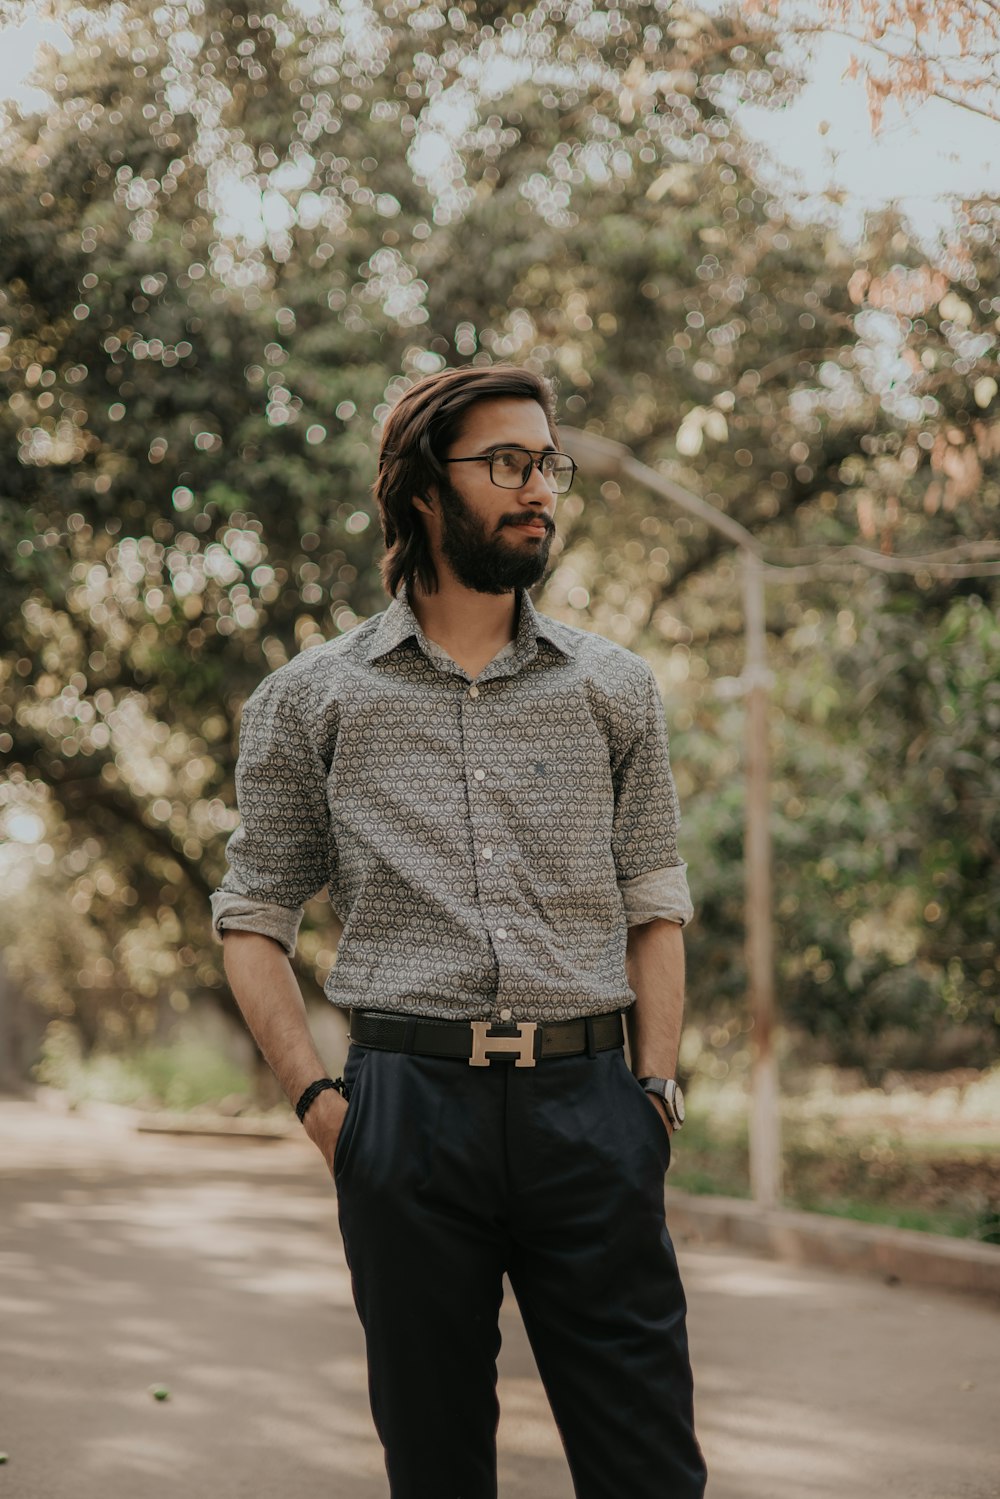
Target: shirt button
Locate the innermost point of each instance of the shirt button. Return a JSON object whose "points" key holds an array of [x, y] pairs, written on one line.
{"points": [[480, 775], [501, 931], [505, 1014], [473, 691], [487, 853]]}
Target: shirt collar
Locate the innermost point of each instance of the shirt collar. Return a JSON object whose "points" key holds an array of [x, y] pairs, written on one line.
{"points": [[399, 623]]}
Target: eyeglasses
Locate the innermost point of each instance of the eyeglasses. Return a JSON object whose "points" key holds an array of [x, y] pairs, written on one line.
{"points": [[510, 468]]}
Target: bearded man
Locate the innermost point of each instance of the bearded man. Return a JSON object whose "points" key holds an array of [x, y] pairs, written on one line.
{"points": [[487, 795]]}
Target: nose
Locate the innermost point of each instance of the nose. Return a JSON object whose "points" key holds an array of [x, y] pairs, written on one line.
{"points": [[538, 493]]}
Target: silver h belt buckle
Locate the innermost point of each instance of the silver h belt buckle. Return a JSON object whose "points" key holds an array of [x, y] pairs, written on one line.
{"points": [[523, 1043]]}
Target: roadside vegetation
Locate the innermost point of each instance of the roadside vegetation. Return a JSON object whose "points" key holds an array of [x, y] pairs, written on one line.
{"points": [[230, 245], [922, 1150]]}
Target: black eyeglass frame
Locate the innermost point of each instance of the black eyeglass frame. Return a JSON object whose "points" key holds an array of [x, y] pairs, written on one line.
{"points": [[533, 462]]}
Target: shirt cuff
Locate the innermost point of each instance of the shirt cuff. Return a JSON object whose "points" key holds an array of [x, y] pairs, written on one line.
{"points": [[238, 913], [661, 893]]}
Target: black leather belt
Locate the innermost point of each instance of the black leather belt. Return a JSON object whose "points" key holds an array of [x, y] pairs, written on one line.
{"points": [[480, 1042]]}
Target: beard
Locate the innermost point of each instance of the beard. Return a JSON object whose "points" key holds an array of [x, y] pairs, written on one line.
{"points": [[484, 560]]}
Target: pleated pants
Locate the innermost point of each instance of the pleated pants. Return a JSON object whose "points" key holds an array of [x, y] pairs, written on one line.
{"points": [[447, 1177]]}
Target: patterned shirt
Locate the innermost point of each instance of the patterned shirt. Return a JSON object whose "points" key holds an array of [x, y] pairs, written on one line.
{"points": [[485, 842]]}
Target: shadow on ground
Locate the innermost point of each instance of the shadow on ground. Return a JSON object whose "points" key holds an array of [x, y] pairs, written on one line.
{"points": [[214, 1268]]}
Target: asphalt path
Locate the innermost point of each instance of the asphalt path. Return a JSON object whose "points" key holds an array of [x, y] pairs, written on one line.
{"points": [[213, 1269]]}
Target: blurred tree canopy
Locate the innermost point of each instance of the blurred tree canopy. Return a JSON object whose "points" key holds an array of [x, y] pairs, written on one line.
{"points": [[233, 238]]}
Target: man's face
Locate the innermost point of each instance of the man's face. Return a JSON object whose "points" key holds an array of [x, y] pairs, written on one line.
{"points": [[496, 539]]}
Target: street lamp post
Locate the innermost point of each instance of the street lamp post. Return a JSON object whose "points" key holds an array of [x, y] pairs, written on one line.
{"points": [[606, 459]]}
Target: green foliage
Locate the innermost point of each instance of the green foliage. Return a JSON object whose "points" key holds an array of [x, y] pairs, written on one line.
{"points": [[953, 1225], [840, 1157], [185, 1074], [191, 405], [886, 827]]}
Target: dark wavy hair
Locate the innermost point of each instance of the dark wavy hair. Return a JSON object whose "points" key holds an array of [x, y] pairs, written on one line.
{"points": [[418, 431]]}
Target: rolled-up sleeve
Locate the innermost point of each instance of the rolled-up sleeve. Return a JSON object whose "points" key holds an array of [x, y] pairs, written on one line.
{"points": [[282, 853], [652, 877]]}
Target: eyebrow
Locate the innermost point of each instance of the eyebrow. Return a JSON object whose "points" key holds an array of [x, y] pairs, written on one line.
{"points": [[494, 445]]}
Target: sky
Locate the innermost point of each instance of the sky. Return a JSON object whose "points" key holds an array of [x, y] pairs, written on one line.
{"points": [[921, 159]]}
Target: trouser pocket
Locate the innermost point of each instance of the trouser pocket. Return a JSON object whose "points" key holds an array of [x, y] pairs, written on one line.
{"points": [[651, 1118], [354, 1065]]}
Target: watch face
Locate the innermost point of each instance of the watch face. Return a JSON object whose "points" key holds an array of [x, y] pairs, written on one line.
{"points": [[670, 1092]]}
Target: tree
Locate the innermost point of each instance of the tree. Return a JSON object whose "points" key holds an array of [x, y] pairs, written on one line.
{"points": [[193, 400]]}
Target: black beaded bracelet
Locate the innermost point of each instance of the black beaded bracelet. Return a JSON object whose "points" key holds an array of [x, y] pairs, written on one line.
{"points": [[314, 1089]]}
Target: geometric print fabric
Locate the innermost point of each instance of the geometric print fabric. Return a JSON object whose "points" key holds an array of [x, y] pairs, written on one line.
{"points": [[484, 841]]}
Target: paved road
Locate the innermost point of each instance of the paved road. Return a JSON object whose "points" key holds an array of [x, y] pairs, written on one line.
{"points": [[214, 1268]]}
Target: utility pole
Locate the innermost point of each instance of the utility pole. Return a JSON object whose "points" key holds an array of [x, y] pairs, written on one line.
{"points": [[765, 1118], [607, 459]]}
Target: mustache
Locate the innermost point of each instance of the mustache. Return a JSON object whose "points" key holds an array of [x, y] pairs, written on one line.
{"points": [[523, 520]]}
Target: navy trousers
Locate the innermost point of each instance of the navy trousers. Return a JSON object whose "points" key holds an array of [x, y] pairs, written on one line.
{"points": [[448, 1176]]}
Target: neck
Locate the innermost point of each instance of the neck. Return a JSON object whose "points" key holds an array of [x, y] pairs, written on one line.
{"points": [[459, 617]]}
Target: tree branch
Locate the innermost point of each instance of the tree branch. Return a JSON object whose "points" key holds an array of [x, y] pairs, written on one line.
{"points": [[908, 91]]}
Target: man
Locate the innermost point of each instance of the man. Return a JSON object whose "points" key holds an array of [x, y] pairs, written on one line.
{"points": [[487, 794]]}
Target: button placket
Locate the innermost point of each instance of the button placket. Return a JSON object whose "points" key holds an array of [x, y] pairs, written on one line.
{"points": [[490, 898]]}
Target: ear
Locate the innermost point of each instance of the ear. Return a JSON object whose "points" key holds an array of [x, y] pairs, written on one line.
{"points": [[427, 504]]}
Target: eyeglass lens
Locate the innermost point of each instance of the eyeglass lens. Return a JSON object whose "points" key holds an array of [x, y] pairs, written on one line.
{"points": [[511, 469]]}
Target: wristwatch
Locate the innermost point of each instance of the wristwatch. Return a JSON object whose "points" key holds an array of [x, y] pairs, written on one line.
{"points": [[670, 1091]]}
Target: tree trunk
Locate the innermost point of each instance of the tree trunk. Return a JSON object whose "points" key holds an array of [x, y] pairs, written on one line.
{"points": [[21, 1031]]}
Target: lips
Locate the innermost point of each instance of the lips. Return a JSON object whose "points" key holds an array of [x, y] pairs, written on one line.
{"points": [[533, 528]]}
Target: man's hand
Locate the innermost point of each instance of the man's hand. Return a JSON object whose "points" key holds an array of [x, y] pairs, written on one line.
{"points": [[660, 1108], [324, 1121]]}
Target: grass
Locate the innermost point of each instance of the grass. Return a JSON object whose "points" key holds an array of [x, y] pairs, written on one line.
{"points": [[183, 1074], [910, 1159], [952, 1225]]}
